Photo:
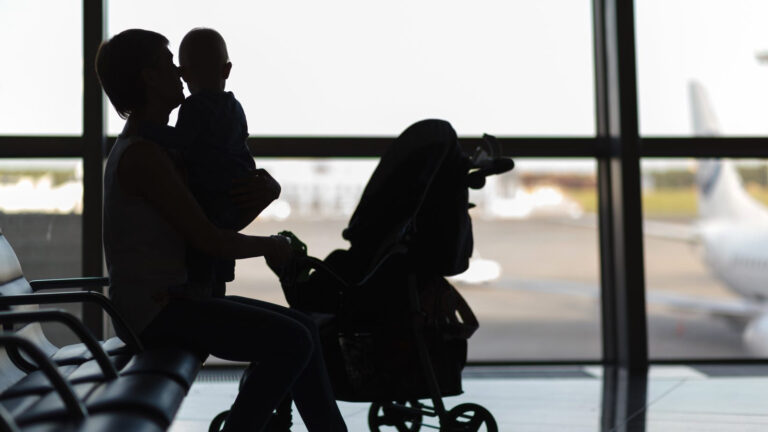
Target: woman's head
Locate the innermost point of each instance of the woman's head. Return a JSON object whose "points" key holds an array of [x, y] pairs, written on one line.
{"points": [[134, 67]]}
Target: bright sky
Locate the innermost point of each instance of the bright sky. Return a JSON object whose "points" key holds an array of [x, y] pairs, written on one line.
{"points": [[712, 41], [351, 67], [371, 68]]}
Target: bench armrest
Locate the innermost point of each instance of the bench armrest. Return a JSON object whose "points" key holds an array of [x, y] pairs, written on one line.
{"points": [[7, 424], [82, 282], [74, 406], [60, 316], [79, 297]]}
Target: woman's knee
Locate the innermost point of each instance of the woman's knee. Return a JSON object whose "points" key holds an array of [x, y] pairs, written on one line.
{"points": [[294, 339]]}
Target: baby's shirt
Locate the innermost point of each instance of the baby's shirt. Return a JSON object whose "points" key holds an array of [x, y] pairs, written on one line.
{"points": [[213, 132], [210, 137]]}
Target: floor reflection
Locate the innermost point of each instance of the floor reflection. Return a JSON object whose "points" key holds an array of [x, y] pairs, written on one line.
{"points": [[706, 397]]}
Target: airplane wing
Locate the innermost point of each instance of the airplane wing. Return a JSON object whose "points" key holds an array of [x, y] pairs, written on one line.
{"points": [[670, 231], [730, 309], [733, 310], [653, 228]]}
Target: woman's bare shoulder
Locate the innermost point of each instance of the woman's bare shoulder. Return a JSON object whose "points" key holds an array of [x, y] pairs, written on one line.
{"points": [[143, 152], [143, 161], [141, 147]]}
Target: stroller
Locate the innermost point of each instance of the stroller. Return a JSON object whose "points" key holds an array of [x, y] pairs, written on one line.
{"points": [[393, 330]]}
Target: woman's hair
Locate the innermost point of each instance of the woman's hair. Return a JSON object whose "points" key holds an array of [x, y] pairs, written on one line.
{"points": [[119, 62]]}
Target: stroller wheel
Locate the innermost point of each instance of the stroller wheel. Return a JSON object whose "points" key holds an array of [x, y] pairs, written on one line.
{"points": [[280, 422], [218, 422], [399, 415], [469, 417]]}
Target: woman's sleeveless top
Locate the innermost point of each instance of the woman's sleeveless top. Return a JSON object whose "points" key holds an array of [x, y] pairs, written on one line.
{"points": [[145, 255]]}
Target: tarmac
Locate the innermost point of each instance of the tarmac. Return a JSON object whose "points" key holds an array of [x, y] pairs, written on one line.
{"points": [[545, 305]]}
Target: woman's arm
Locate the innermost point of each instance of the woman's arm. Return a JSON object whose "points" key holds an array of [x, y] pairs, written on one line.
{"points": [[146, 171]]}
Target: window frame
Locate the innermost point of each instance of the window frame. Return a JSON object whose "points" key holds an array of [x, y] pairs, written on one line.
{"points": [[617, 147]]}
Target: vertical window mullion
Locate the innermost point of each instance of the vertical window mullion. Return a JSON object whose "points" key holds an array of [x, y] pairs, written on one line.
{"points": [[93, 155], [625, 338]]}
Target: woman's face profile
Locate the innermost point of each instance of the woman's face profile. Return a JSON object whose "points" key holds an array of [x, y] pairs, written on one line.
{"points": [[166, 80]]}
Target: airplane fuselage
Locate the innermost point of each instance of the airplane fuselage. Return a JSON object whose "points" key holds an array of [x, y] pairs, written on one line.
{"points": [[737, 253]]}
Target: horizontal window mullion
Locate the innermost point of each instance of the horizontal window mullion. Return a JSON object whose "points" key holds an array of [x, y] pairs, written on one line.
{"points": [[375, 146], [40, 146], [705, 147]]}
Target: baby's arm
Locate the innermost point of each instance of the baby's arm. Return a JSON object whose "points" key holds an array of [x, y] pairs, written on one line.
{"points": [[252, 194], [189, 121]]}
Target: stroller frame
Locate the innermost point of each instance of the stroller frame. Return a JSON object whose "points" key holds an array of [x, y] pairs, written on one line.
{"points": [[463, 417], [407, 415]]}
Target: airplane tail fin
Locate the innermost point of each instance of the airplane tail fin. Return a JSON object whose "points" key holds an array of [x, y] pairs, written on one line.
{"points": [[702, 115], [721, 193]]}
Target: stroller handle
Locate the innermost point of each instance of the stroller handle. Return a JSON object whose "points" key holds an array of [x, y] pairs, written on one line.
{"points": [[487, 162], [318, 264], [488, 167]]}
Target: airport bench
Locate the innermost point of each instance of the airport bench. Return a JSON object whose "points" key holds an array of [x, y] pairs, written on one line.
{"points": [[89, 386]]}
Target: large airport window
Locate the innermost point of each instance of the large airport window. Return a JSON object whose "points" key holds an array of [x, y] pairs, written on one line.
{"points": [[689, 47], [349, 68], [533, 281], [41, 81], [706, 258], [41, 206]]}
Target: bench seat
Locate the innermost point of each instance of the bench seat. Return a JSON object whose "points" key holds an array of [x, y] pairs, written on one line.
{"points": [[116, 422], [106, 385]]}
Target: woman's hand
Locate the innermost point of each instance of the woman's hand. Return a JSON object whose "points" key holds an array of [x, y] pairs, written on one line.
{"points": [[280, 254], [253, 193]]}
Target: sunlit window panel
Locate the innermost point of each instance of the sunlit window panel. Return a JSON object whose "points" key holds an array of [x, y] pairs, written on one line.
{"points": [[350, 68], [706, 255], [41, 78], [533, 281], [41, 215], [688, 48]]}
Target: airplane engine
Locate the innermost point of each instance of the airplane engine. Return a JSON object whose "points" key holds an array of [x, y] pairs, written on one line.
{"points": [[756, 336]]}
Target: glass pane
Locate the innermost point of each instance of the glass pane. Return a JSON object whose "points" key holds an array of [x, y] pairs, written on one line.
{"points": [[41, 81], [346, 67], [533, 281], [706, 257], [41, 209], [716, 45]]}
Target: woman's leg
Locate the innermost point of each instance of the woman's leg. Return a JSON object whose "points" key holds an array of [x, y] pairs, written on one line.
{"points": [[312, 389], [280, 345]]}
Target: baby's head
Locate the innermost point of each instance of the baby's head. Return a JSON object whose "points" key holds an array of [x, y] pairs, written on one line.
{"points": [[204, 60]]}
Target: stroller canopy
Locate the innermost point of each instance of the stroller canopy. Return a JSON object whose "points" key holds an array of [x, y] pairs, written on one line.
{"points": [[418, 196]]}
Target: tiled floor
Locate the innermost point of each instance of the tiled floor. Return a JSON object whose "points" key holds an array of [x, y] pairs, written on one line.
{"points": [[543, 399]]}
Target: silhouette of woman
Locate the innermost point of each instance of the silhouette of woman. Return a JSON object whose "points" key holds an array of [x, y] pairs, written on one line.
{"points": [[149, 219]]}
